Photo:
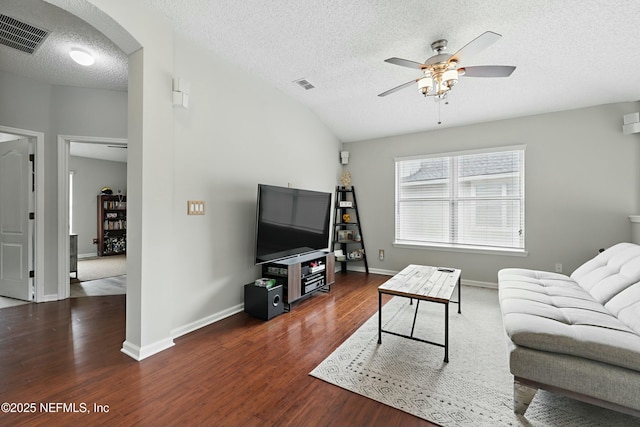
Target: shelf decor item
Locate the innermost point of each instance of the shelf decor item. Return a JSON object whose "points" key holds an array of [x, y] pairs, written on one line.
{"points": [[346, 217], [345, 236], [356, 255], [345, 179], [265, 282]]}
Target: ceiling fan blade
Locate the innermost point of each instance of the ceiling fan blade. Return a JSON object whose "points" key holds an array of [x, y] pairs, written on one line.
{"points": [[476, 45], [488, 71], [405, 63], [397, 88]]}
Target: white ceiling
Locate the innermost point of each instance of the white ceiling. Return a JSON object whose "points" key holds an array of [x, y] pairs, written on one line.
{"points": [[569, 54], [104, 151]]}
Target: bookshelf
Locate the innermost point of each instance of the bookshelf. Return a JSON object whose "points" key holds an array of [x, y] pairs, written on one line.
{"points": [[112, 224]]}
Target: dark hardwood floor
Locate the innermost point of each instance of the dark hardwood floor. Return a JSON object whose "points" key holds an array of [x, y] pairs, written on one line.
{"points": [[240, 371]]}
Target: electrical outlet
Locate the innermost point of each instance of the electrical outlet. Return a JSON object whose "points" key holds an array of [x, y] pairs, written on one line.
{"points": [[558, 268], [381, 254]]}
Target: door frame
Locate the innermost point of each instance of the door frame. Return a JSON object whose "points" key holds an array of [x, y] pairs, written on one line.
{"points": [[38, 253], [64, 145]]}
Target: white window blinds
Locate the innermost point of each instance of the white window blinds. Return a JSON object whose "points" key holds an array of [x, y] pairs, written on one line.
{"points": [[470, 200]]}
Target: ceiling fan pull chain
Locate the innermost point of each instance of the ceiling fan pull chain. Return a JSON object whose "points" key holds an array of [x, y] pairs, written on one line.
{"points": [[439, 108]]}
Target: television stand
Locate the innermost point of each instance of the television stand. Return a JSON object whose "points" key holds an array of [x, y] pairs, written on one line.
{"points": [[302, 275]]}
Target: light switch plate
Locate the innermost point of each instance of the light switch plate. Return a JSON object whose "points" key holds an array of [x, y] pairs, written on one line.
{"points": [[195, 207]]}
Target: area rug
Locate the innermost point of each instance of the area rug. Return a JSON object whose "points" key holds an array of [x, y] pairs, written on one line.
{"points": [[474, 389]]}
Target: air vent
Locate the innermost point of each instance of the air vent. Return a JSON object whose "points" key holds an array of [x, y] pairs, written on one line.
{"points": [[20, 35], [304, 83]]}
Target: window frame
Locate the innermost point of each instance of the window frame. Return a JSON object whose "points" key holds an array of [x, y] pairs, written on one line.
{"points": [[71, 221], [454, 197]]}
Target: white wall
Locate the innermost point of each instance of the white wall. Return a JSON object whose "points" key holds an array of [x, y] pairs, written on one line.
{"points": [[90, 175], [582, 182]]}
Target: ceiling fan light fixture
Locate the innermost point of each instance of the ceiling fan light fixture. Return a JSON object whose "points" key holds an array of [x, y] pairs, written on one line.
{"points": [[441, 70], [450, 78], [82, 57], [425, 85]]}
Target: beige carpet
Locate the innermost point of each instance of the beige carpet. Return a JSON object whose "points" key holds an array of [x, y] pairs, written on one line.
{"points": [[96, 276], [473, 389], [101, 267]]}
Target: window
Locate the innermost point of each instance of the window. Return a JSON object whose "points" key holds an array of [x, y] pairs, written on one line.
{"points": [[71, 202], [462, 200]]}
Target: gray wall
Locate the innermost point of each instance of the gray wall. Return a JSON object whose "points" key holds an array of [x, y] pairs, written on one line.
{"points": [[236, 133], [188, 271], [59, 110], [90, 175], [582, 182]]}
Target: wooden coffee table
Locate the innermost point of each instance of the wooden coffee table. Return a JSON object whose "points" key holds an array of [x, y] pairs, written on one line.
{"points": [[423, 283]]}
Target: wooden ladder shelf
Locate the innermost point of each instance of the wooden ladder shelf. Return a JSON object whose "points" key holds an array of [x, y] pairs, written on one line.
{"points": [[347, 235]]}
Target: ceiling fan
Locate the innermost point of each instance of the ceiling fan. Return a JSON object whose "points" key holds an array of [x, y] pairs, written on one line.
{"points": [[441, 71]]}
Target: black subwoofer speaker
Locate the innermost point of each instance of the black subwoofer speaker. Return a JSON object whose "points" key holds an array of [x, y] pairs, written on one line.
{"points": [[263, 303]]}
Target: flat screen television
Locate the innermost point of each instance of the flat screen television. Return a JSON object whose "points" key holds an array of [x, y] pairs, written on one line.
{"points": [[290, 222]]}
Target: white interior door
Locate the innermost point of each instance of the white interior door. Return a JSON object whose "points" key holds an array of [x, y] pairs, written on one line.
{"points": [[15, 229]]}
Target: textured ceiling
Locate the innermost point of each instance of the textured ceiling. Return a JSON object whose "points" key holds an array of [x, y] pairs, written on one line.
{"points": [[51, 62], [569, 54]]}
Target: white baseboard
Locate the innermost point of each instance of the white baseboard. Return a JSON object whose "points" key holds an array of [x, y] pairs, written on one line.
{"points": [[464, 282], [382, 271], [89, 255], [206, 321], [361, 269], [479, 284], [50, 297], [138, 353]]}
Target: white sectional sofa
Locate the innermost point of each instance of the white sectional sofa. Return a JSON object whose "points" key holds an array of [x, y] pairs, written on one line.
{"points": [[578, 335]]}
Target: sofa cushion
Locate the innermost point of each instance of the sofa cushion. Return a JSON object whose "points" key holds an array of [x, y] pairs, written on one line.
{"points": [[552, 312], [610, 272], [613, 278], [626, 307]]}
